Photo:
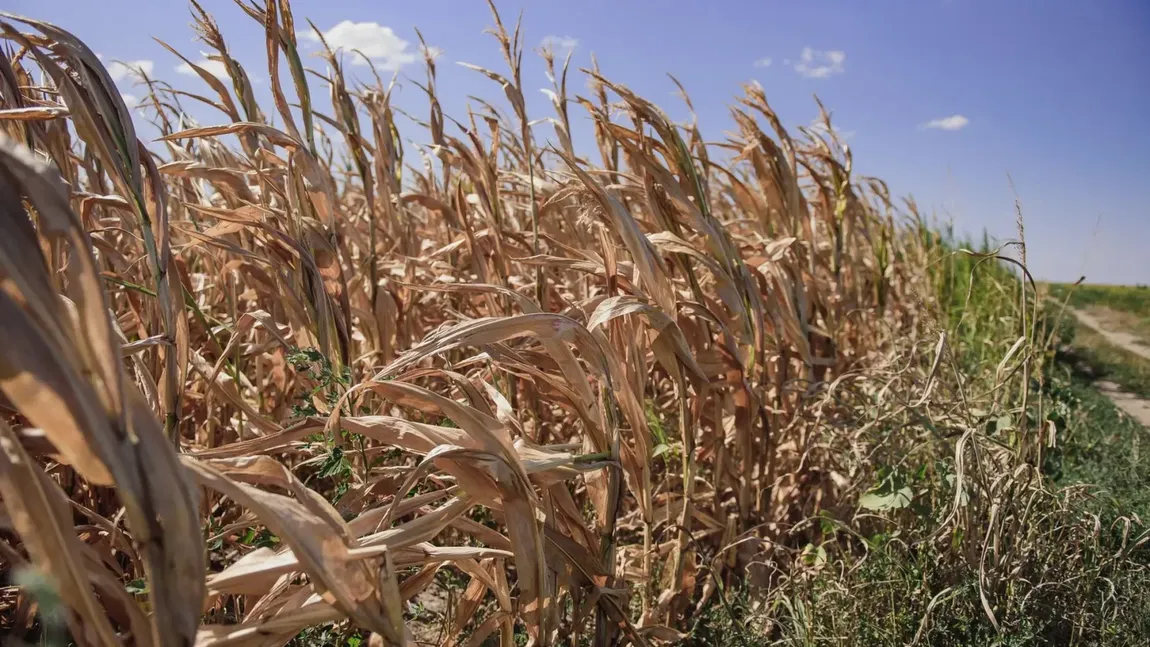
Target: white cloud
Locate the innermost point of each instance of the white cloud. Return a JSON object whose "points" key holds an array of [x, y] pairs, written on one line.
{"points": [[379, 43], [120, 71], [763, 62], [130, 100], [216, 68], [560, 43], [953, 122], [818, 64]]}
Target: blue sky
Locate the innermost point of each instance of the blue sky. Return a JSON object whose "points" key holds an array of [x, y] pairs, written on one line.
{"points": [[1053, 92]]}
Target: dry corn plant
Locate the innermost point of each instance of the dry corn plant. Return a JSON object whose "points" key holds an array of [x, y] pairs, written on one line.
{"points": [[270, 394]]}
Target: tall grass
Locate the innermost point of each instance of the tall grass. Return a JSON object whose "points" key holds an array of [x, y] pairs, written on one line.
{"points": [[254, 390]]}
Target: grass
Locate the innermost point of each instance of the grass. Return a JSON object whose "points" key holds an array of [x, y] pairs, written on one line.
{"points": [[267, 380], [1124, 298], [1102, 447]]}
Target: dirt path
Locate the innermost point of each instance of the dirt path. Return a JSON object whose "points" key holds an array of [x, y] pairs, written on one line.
{"points": [[1136, 407], [1123, 340], [1133, 405]]}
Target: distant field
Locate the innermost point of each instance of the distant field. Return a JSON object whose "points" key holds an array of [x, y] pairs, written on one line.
{"points": [[1134, 299]]}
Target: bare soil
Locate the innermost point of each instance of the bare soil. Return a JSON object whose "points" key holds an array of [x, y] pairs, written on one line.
{"points": [[1138, 408], [1121, 338]]}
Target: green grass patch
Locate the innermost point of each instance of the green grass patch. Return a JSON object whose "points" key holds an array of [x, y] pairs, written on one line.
{"points": [[1134, 299], [1101, 446]]}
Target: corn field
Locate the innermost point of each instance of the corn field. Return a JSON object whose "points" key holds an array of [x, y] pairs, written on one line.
{"points": [[259, 378]]}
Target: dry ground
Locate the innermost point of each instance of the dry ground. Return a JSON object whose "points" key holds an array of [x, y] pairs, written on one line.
{"points": [[1113, 326], [1119, 328]]}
